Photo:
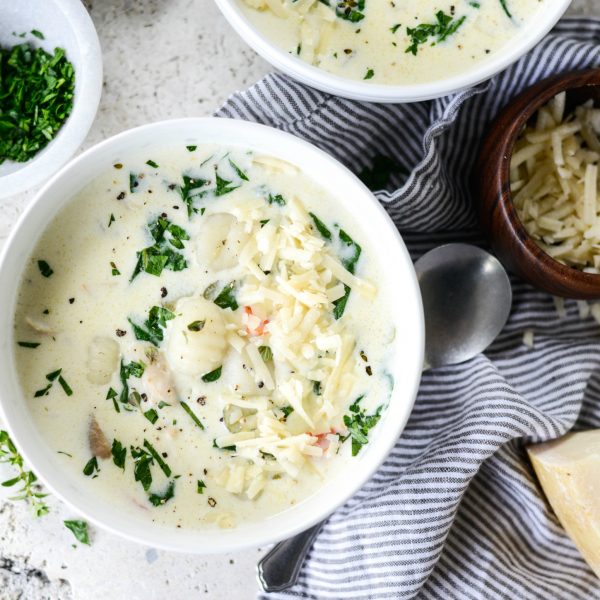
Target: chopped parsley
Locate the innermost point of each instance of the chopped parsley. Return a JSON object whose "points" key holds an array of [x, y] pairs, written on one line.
{"points": [[28, 344], [45, 268], [152, 164], [201, 486], [354, 251], [111, 219], [79, 530], [276, 199], [160, 499], [112, 395], [91, 467], [36, 98], [196, 325], [228, 448], [441, 30], [395, 27], [369, 75], [189, 190], [265, 352], [151, 415], [161, 463], [212, 376], [142, 461], [114, 271], [52, 377], [224, 186], [226, 297], [190, 412], [134, 182], [351, 252], [349, 10], [133, 369], [287, 411], [504, 6], [191, 148], [359, 424], [119, 453], [239, 172], [152, 328], [321, 227], [161, 255]]}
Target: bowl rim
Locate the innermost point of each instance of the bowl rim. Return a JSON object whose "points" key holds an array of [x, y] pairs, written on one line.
{"points": [[369, 92], [86, 100], [316, 507], [544, 90]]}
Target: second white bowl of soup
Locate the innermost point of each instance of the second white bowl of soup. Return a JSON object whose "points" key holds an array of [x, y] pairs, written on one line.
{"points": [[392, 51], [216, 334]]}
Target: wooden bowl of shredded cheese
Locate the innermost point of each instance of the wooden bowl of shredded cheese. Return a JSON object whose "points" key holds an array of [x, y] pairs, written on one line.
{"points": [[538, 181]]}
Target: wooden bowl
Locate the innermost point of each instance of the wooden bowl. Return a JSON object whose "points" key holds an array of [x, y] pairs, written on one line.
{"points": [[498, 216]]}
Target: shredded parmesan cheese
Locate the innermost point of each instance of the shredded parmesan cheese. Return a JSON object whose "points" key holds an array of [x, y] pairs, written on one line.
{"points": [[554, 181]]}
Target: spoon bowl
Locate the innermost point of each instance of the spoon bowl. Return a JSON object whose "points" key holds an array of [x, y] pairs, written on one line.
{"points": [[466, 299]]}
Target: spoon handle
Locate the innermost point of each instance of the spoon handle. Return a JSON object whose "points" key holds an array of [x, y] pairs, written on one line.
{"points": [[279, 568]]}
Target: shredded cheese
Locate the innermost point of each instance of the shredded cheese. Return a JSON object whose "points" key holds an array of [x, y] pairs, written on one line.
{"points": [[554, 181]]}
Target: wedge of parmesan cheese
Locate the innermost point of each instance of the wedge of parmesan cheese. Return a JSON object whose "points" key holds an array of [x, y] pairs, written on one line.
{"points": [[569, 472]]}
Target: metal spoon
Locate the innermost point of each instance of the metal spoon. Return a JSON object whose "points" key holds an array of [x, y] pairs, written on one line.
{"points": [[466, 299]]}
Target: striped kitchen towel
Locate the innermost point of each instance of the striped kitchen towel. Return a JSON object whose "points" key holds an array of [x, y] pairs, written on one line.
{"points": [[455, 511]]}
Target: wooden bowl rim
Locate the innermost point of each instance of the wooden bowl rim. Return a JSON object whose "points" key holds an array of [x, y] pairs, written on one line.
{"points": [[533, 253]]}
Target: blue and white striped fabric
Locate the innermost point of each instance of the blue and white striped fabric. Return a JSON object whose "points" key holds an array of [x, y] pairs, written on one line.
{"points": [[455, 511]]}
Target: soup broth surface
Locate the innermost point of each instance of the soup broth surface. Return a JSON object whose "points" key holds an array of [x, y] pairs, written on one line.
{"points": [[392, 43], [202, 338]]}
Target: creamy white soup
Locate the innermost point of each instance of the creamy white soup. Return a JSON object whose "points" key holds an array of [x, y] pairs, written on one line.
{"points": [[392, 43], [202, 336]]}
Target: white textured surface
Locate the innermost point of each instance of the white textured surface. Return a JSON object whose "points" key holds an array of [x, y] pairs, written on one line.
{"points": [[162, 59]]}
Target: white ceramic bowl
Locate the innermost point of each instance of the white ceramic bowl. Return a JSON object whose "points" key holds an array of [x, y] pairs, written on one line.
{"points": [[339, 182], [360, 90], [65, 24]]}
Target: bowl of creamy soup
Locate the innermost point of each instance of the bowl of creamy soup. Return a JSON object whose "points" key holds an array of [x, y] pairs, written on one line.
{"points": [[213, 334], [381, 51]]}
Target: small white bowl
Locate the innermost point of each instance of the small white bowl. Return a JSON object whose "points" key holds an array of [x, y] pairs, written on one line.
{"points": [[376, 224], [64, 24], [368, 92]]}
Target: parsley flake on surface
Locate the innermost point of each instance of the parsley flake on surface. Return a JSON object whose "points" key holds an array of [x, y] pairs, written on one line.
{"points": [[212, 376], [359, 424], [79, 530], [239, 172], [119, 453], [160, 499], [152, 328], [190, 412], [91, 467], [161, 255], [441, 30]]}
